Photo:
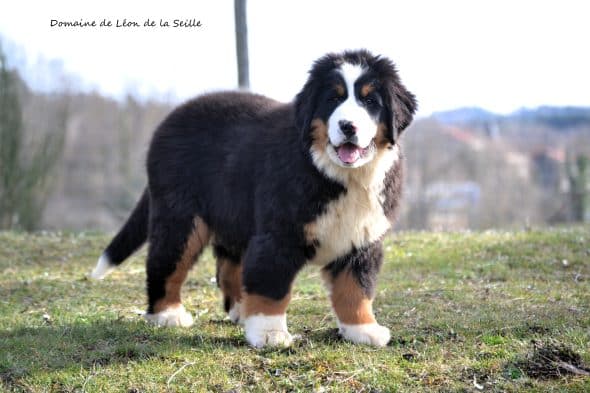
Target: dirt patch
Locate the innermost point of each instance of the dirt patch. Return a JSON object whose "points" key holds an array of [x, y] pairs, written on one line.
{"points": [[549, 360], [10, 378], [6, 379]]}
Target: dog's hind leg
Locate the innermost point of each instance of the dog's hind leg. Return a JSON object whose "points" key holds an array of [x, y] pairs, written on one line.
{"points": [[175, 243], [229, 280]]}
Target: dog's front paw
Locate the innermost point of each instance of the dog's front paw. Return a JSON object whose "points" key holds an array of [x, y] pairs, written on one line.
{"points": [[173, 316], [368, 333], [267, 331]]}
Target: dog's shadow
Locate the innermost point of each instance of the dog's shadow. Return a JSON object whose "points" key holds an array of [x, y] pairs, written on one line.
{"points": [[107, 342], [101, 343]]}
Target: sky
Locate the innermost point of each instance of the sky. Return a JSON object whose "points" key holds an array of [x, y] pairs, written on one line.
{"points": [[499, 55]]}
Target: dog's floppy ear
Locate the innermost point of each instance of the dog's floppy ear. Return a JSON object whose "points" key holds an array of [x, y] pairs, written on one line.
{"points": [[305, 103], [406, 106], [400, 103], [401, 108], [306, 100]]}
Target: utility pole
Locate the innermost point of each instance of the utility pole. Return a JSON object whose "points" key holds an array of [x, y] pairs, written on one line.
{"points": [[578, 174], [242, 43]]}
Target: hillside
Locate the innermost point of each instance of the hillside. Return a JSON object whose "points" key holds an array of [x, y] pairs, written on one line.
{"points": [[457, 161], [560, 118], [488, 311]]}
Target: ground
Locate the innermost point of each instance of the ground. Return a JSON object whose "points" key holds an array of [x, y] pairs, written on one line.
{"points": [[490, 311]]}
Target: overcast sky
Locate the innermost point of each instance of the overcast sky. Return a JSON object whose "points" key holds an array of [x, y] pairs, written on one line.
{"points": [[500, 55]]}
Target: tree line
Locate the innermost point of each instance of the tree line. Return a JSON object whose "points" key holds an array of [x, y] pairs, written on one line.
{"points": [[71, 160]]}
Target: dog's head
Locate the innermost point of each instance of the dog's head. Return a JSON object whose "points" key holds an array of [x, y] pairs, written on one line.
{"points": [[352, 106]]}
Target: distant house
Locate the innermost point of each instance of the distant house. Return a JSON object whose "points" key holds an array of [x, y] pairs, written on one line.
{"points": [[453, 204], [548, 168], [466, 137]]}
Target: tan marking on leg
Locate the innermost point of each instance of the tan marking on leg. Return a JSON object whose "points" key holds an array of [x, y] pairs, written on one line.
{"points": [[230, 279], [256, 304], [195, 243], [351, 305]]}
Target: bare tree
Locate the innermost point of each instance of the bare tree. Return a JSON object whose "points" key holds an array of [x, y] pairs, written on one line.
{"points": [[23, 170], [577, 176], [242, 43]]}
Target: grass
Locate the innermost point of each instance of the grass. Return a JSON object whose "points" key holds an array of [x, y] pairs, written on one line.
{"points": [[468, 312]]}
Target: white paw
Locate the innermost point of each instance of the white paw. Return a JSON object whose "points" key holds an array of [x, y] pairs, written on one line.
{"points": [[234, 313], [267, 331], [369, 334], [175, 316]]}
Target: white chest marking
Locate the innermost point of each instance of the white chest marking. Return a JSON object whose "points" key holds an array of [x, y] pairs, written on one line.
{"points": [[356, 219]]}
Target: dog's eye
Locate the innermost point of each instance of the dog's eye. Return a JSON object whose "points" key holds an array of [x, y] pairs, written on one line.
{"points": [[337, 99], [370, 101]]}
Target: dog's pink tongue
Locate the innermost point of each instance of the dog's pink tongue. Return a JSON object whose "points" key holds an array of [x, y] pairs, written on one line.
{"points": [[349, 153]]}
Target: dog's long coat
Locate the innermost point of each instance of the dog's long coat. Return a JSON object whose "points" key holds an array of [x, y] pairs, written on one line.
{"points": [[273, 187]]}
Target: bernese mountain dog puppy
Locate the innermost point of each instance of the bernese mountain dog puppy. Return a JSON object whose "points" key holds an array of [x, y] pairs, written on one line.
{"points": [[274, 187]]}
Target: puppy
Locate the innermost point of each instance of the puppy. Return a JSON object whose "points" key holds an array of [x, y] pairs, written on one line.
{"points": [[272, 187]]}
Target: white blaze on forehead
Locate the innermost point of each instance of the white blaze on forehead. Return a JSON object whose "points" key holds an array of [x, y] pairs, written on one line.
{"points": [[351, 73], [351, 110]]}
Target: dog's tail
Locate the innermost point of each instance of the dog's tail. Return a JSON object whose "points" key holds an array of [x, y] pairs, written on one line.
{"points": [[128, 240]]}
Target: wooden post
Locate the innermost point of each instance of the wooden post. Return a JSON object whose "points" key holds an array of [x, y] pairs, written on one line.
{"points": [[242, 43]]}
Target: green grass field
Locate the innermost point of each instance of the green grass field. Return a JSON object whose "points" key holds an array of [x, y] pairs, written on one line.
{"points": [[469, 312]]}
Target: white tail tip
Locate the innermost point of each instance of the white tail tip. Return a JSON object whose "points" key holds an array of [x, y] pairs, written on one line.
{"points": [[103, 268]]}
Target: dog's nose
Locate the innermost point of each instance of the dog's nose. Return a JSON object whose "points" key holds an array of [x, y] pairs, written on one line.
{"points": [[347, 128]]}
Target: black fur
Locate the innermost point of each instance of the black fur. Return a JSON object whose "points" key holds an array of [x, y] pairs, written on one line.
{"points": [[133, 234], [232, 256], [241, 162], [364, 264]]}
